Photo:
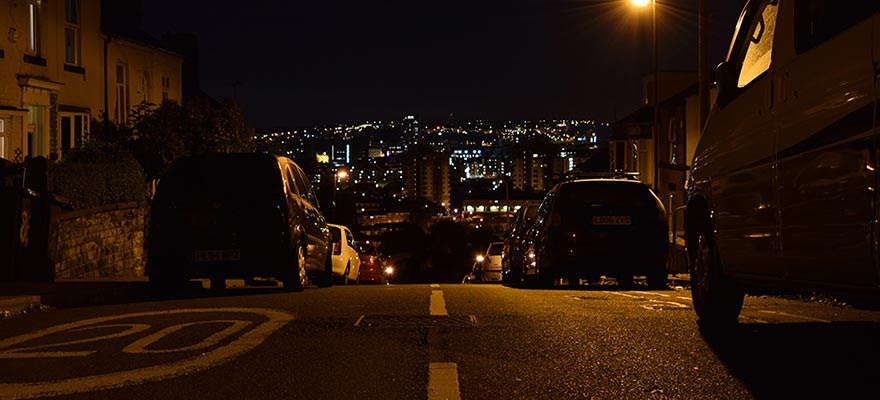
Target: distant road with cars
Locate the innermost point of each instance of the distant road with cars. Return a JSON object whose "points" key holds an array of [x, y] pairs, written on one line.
{"points": [[437, 341]]}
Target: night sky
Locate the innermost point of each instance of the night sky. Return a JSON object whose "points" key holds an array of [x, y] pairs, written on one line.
{"points": [[298, 63]]}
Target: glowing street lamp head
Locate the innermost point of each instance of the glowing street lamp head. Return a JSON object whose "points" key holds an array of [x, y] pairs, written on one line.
{"points": [[342, 174], [640, 3]]}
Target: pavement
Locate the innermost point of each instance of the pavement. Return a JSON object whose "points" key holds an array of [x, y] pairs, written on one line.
{"points": [[19, 297]]}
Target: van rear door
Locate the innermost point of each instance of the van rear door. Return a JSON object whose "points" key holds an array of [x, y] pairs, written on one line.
{"points": [[826, 147]]}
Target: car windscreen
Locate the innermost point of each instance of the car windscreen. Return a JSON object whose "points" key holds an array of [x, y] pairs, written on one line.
{"points": [[496, 249], [231, 179], [578, 198]]}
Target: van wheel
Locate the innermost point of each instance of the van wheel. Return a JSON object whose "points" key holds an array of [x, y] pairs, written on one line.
{"points": [[717, 301], [296, 282], [325, 277]]}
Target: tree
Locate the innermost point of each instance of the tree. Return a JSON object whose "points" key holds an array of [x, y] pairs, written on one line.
{"points": [[158, 134]]}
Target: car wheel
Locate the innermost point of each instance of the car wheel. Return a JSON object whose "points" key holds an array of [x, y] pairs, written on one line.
{"points": [[325, 278], [296, 282], [717, 301], [625, 280], [594, 278], [166, 283], [346, 273], [657, 277]]}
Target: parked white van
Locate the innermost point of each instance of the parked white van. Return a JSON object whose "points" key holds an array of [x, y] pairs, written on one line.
{"points": [[782, 191]]}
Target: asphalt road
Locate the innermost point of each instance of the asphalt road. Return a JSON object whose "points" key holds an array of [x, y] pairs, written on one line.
{"points": [[438, 341]]}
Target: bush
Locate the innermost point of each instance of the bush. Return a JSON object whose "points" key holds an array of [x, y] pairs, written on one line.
{"points": [[99, 173]]}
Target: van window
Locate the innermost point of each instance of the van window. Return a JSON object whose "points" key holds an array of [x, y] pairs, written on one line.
{"points": [[758, 56], [819, 20]]}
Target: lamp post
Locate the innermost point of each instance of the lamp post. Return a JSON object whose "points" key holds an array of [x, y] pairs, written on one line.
{"points": [[656, 92]]}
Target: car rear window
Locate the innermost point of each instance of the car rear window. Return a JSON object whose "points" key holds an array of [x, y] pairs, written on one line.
{"points": [[577, 197], [228, 178], [495, 250], [335, 234], [366, 249]]}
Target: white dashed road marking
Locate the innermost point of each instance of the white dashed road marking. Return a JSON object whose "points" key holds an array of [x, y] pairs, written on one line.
{"points": [[438, 303], [442, 375], [443, 382]]}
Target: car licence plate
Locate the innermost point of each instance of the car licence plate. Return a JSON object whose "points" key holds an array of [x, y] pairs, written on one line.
{"points": [[611, 220], [217, 255]]}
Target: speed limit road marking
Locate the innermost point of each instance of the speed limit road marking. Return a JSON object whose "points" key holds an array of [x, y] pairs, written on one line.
{"points": [[12, 348]]}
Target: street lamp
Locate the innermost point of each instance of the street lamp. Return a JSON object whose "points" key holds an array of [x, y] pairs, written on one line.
{"points": [[656, 94], [339, 175]]}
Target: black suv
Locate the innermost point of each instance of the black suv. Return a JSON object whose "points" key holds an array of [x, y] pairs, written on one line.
{"points": [[227, 216], [592, 227]]}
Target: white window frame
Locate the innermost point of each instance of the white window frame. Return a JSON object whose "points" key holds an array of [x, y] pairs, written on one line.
{"points": [[121, 111], [33, 22], [74, 28], [83, 126]]}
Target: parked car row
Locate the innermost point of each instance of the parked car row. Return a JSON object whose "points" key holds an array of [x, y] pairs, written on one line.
{"points": [[244, 216], [588, 228]]}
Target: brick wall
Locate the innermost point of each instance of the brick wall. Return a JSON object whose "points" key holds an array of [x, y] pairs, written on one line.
{"points": [[103, 242]]}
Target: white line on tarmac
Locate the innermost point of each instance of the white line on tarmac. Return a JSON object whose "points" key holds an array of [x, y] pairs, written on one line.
{"points": [[358, 322], [624, 295], [652, 293], [684, 298], [435, 285], [438, 303], [794, 316], [443, 381], [149, 373]]}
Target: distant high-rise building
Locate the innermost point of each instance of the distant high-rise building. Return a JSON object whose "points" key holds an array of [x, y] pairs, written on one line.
{"points": [[426, 174], [411, 132]]}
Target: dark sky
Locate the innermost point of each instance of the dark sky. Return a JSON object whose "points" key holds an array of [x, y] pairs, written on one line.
{"points": [[292, 63]]}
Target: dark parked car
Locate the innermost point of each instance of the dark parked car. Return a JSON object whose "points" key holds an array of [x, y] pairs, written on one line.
{"points": [[237, 216], [513, 253], [588, 228]]}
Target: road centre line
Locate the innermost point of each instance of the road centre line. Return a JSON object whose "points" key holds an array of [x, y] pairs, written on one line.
{"points": [[443, 381], [435, 285], [358, 322], [794, 316], [624, 295], [438, 303]]}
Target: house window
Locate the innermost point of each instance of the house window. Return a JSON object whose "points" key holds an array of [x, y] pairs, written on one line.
{"points": [[37, 142], [166, 85], [3, 138], [71, 33], [33, 9], [121, 111], [74, 128]]}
